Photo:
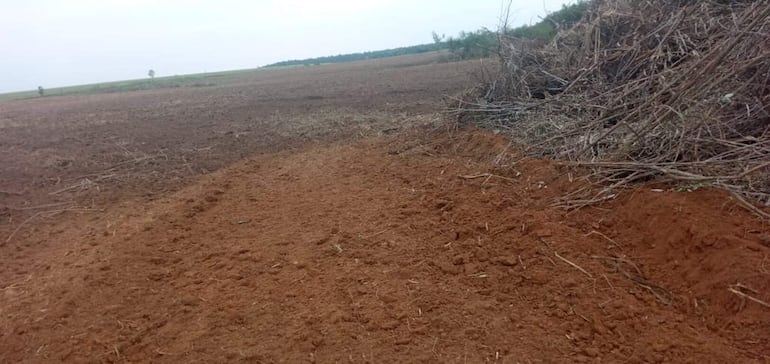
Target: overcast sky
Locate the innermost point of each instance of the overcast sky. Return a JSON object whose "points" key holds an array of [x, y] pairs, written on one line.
{"points": [[68, 42]]}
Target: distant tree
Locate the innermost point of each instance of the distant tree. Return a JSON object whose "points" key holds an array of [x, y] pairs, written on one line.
{"points": [[483, 42], [480, 43], [151, 73], [547, 27], [437, 39], [40, 90]]}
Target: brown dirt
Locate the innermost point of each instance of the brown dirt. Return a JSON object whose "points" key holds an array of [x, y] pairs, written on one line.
{"points": [[385, 250], [105, 147]]}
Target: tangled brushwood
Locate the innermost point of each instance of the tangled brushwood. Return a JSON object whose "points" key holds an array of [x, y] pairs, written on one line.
{"points": [[653, 90]]}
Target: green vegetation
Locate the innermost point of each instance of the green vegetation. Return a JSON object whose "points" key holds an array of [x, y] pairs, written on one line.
{"points": [[479, 44], [546, 29], [484, 43], [421, 48]]}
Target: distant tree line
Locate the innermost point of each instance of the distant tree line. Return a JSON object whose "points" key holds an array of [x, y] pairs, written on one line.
{"points": [[546, 28], [421, 48], [484, 42], [474, 44]]}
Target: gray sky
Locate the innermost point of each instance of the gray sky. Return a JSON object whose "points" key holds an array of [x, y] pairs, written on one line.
{"points": [[68, 42]]}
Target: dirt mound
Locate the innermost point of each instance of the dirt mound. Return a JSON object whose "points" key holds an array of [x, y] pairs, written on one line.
{"points": [[386, 252]]}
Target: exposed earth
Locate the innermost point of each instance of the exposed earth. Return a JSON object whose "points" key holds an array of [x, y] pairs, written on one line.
{"points": [[333, 214]]}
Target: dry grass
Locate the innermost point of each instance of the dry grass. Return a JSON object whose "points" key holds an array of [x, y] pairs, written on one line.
{"points": [[640, 91]]}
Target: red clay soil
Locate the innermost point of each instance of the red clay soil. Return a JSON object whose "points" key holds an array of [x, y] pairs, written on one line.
{"points": [[383, 251]]}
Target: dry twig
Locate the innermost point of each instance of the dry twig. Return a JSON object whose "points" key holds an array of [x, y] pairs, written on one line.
{"points": [[574, 265], [737, 290], [660, 293], [633, 98]]}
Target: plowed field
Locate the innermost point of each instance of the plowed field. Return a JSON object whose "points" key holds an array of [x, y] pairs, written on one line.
{"points": [[329, 214]]}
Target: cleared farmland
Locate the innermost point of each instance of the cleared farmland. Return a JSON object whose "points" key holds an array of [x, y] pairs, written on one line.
{"points": [[334, 214]]}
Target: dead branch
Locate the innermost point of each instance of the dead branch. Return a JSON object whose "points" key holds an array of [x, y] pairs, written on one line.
{"points": [[631, 99]]}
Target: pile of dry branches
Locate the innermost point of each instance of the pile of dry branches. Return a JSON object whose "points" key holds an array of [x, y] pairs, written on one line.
{"points": [[644, 90]]}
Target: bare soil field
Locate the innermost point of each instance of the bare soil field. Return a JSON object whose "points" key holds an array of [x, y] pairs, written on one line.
{"points": [[326, 214], [159, 138]]}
